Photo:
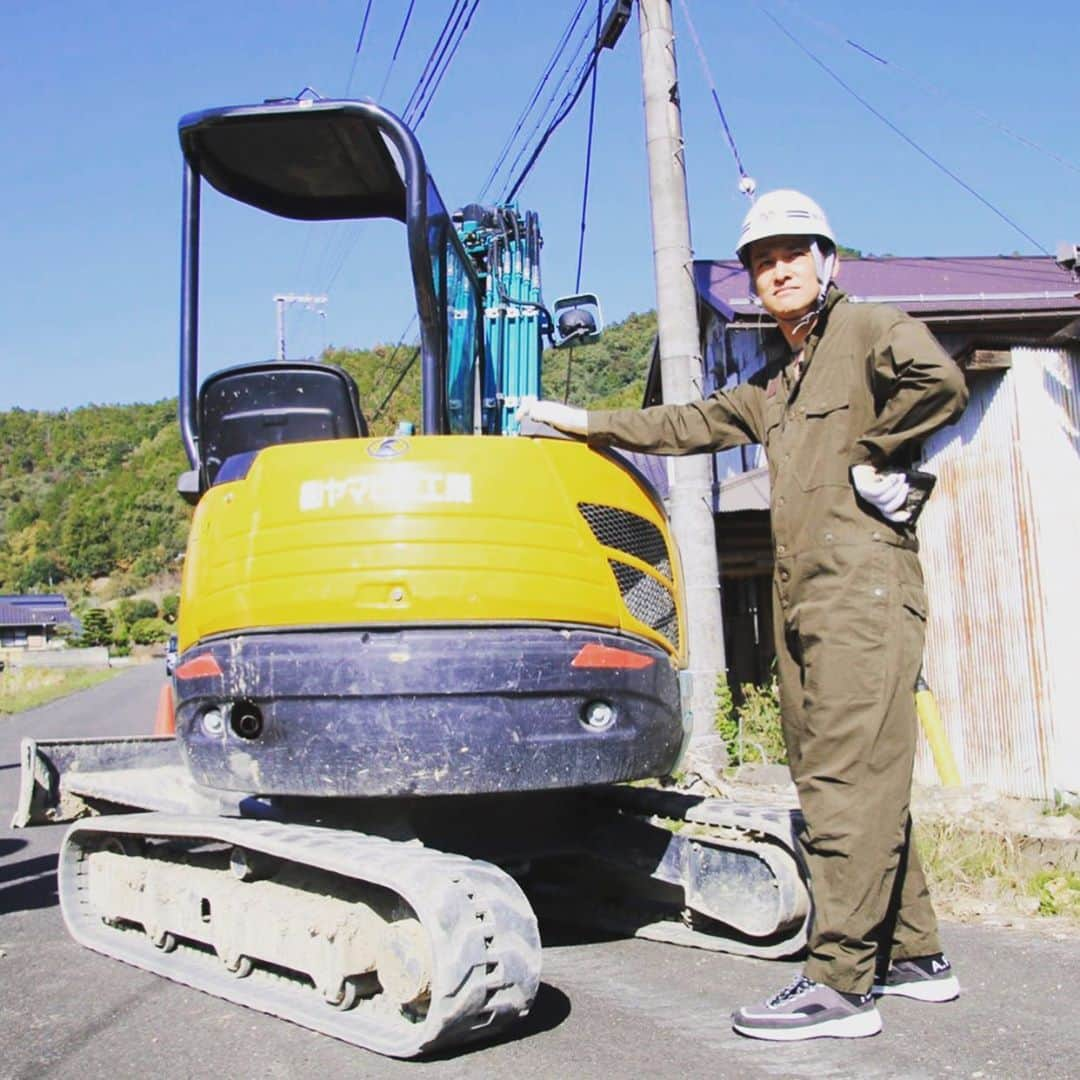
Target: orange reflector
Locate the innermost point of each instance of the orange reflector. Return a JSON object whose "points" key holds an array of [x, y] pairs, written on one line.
{"points": [[604, 656], [199, 667]]}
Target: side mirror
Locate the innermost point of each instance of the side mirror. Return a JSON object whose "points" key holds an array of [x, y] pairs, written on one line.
{"points": [[578, 320], [187, 486]]}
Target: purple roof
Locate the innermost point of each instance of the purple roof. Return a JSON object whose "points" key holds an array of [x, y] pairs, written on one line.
{"points": [[1005, 283], [33, 610]]}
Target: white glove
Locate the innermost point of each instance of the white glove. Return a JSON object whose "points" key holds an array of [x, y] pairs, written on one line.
{"points": [[885, 491], [554, 414]]}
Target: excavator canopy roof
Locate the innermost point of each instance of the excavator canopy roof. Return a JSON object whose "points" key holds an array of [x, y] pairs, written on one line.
{"points": [[308, 159]]}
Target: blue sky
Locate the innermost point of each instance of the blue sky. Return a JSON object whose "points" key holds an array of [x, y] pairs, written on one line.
{"points": [[89, 224]]}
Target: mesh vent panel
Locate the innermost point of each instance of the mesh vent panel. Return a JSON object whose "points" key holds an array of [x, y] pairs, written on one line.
{"points": [[647, 600], [628, 532]]}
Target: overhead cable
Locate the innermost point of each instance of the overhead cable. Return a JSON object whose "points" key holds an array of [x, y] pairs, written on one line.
{"points": [[747, 185], [571, 73], [567, 106], [457, 9], [588, 150], [903, 135], [883, 61], [537, 90], [397, 49], [449, 59], [359, 43], [397, 382]]}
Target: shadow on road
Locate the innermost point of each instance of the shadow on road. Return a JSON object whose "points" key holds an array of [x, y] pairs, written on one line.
{"points": [[556, 932], [34, 884], [550, 1009], [9, 845]]}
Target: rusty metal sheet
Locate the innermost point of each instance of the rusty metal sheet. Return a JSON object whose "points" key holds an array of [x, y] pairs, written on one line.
{"points": [[1001, 578]]}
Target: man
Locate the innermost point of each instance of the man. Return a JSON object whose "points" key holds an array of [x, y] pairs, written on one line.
{"points": [[841, 410]]}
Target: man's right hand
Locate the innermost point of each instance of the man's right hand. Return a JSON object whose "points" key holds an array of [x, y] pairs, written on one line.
{"points": [[885, 491], [566, 418]]}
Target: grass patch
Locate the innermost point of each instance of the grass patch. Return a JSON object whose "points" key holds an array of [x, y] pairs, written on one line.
{"points": [[1060, 808], [972, 872], [751, 728], [27, 688]]}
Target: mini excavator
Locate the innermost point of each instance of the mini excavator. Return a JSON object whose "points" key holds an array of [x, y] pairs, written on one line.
{"points": [[417, 675]]}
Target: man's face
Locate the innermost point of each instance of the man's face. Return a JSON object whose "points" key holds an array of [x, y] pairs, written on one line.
{"points": [[783, 272]]}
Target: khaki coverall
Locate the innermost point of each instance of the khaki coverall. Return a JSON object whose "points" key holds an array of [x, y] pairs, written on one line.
{"points": [[849, 606]]}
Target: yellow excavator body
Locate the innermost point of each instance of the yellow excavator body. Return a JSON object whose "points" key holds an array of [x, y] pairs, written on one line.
{"points": [[432, 531]]}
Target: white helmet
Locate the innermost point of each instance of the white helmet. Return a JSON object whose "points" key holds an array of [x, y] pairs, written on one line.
{"points": [[783, 213]]}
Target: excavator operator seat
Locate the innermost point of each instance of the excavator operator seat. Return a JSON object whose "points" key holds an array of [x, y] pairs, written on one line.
{"points": [[245, 409]]}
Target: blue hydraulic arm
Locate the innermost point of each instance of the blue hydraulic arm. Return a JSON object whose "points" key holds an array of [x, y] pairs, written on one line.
{"points": [[505, 247]]}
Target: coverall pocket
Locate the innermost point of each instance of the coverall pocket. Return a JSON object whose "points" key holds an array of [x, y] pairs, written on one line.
{"points": [[913, 597], [822, 458]]}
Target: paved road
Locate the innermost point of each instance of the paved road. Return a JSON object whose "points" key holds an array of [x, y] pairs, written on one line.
{"points": [[607, 1009]]}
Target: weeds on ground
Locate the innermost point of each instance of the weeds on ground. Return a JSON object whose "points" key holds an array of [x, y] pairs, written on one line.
{"points": [[26, 688], [1060, 807], [750, 730], [966, 867]]}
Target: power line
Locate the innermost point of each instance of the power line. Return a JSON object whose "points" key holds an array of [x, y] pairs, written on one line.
{"points": [[452, 19], [566, 108], [538, 89], [359, 43], [883, 61], [397, 382], [446, 65], [588, 155], [746, 185], [397, 49], [903, 135], [550, 107]]}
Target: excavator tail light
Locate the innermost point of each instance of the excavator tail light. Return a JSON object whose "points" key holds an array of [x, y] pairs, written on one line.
{"points": [[608, 658], [200, 667]]}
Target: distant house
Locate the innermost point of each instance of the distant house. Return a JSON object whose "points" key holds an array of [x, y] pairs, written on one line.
{"points": [[998, 538], [31, 622]]}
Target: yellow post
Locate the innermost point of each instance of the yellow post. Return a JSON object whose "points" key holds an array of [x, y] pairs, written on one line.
{"points": [[934, 730]]}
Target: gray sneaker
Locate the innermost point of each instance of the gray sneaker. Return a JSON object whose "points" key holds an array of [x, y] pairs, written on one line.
{"points": [[809, 1010], [924, 978]]}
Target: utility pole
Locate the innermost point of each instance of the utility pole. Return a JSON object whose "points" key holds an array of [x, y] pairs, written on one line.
{"points": [[289, 298], [690, 478]]}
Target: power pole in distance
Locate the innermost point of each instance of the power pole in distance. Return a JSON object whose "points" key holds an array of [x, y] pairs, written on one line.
{"points": [[289, 298], [690, 478]]}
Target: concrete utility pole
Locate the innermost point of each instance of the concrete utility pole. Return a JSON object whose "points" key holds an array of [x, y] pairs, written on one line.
{"points": [[690, 478], [289, 298]]}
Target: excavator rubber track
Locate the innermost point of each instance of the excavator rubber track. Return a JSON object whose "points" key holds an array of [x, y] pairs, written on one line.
{"points": [[737, 865], [392, 947]]}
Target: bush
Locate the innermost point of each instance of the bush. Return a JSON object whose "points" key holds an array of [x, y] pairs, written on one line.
{"points": [[148, 631], [144, 609], [751, 730], [170, 607]]}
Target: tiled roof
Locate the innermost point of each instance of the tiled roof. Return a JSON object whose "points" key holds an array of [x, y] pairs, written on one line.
{"points": [[33, 611], [995, 283]]}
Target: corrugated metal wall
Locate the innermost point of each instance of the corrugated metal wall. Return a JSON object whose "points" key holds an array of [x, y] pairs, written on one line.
{"points": [[1048, 395], [998, 543]]}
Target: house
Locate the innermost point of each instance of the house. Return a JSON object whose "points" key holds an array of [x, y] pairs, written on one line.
{"points": [[31, 622], [998, 536]]}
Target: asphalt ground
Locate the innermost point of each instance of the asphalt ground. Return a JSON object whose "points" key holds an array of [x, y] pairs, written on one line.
{"points": [[606, 1009]]}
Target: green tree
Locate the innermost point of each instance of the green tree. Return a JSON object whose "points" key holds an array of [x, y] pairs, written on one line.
{"points": [[97, 628], [170, 607], [42, 570]]}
